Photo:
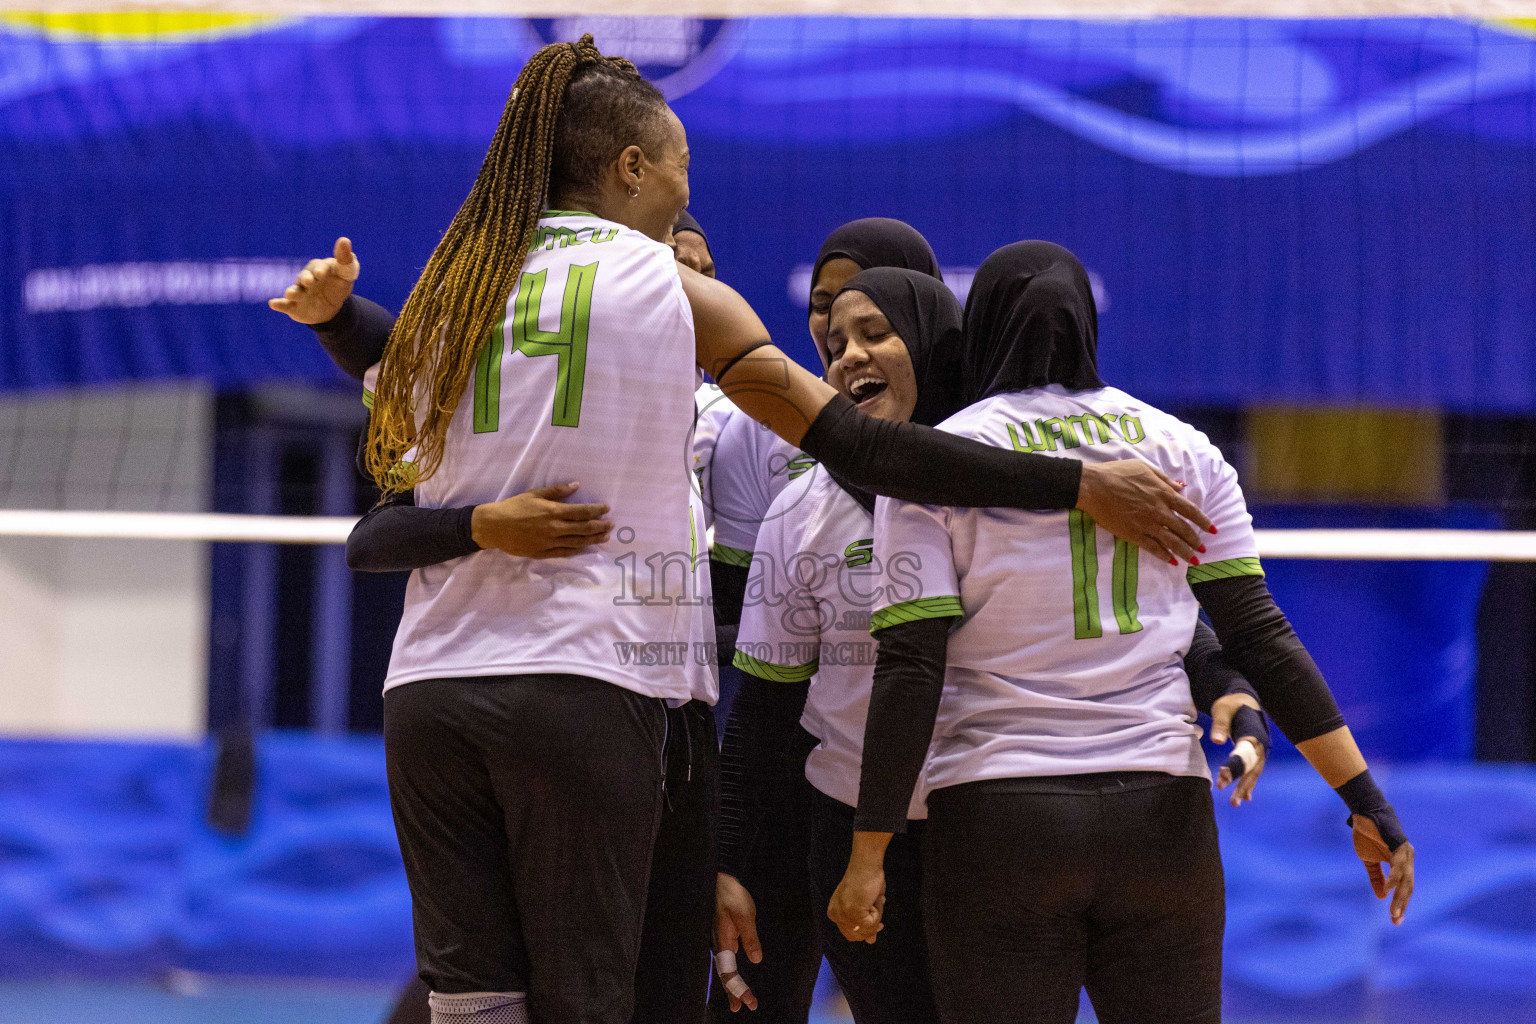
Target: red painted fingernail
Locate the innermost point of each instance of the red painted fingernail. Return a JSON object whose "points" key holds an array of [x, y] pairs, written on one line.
{"points": [[1201, 549], [1173, 561], [1194, 561], [1213, 527]]}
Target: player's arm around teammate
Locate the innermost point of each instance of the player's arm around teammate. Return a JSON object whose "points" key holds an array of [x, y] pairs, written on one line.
{"points": [[395, 535], [1011, 679]]}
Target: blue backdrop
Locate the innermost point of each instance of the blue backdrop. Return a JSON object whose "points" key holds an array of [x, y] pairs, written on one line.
{"points": [[1274, 210], [106, 868]]}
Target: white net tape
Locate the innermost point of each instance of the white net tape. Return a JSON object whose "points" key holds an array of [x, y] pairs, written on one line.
{"points": [[745, 8], [1356, 545]]}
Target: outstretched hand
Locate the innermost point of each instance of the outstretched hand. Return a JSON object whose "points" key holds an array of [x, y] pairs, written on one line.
{"points": [[1138, 503], [1372, 850], [317, 294]]}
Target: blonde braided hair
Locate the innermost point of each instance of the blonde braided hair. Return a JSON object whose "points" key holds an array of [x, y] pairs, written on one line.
{"points": [[463, 290]]}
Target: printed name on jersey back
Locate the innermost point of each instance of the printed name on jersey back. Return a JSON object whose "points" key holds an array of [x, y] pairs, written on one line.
{"points": [[1108, 424], [1067, 654]]}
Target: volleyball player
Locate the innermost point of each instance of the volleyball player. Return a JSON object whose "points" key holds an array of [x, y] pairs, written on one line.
{"points": [[672, 978], [524, 749], [767, 904], [1070, 839], [895, 347]]}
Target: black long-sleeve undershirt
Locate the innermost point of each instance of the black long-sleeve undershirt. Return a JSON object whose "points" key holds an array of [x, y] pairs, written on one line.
{"points": [[1258, 641], [1254, 639], [890, 458], [355, 337], [920, 464], [758, 762], [396, 535], [1211, 675]]}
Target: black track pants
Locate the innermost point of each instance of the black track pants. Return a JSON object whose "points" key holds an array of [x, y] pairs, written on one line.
{"points": [[672, 979], [776, 874], [527, 808], [1035, 888], [885, 982]]}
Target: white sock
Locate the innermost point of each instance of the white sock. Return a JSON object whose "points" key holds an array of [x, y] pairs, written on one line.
{"points": [[479, 1008]]}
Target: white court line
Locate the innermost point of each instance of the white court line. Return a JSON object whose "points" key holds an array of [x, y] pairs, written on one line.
{"points": [[1356, 545]]}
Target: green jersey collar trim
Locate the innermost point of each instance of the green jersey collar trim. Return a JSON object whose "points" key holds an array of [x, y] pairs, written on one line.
{"points": [[567, 213], [912, 611], [731, 556], [1224, 570], [774, 673]]}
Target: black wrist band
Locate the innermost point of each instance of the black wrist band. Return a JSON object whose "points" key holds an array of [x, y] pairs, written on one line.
{"points": [[1363, 797], [1249, 722]]}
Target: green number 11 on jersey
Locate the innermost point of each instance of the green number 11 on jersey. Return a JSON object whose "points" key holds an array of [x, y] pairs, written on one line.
{"points": [[1083, 534], [568, 345]]}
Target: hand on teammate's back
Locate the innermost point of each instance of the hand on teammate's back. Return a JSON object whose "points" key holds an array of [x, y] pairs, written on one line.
{"points": [[735, 925], [1136, 502], [1373, 850], [539, 523], [322, 286]]}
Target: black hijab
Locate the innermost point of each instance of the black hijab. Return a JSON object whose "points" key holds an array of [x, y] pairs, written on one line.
{"points": [[879, 242], [927, 317], [1030, 321], [685, 222]]}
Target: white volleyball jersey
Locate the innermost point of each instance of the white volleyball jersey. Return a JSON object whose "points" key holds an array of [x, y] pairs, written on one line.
{"points": [[589, 377], [815, 580], [751, 466], [1068, 657], [711, 410]]}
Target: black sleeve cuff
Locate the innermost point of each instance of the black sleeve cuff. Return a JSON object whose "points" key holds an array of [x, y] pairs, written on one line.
{"points": [[396, 535], [356, 336]]}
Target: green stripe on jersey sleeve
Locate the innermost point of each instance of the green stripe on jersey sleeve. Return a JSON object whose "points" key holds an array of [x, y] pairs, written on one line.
{"points": [[774, 673], [1224, 570], [367, 399], [730, 555], [911, 611]]}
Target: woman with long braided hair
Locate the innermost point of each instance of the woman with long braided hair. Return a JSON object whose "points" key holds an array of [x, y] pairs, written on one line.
{"points": [[524, 706]]}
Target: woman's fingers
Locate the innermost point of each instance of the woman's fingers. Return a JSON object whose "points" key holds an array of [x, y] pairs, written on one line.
{"points": [[1378, 880], [347, 264], [1155, 547], [589, 528], [556, 492], [578, 513], [1400, 881], [1188, 514]]}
